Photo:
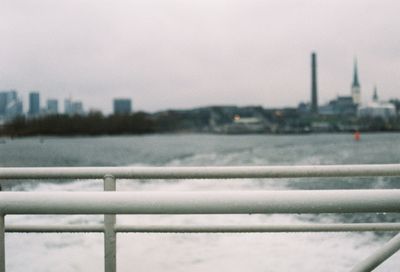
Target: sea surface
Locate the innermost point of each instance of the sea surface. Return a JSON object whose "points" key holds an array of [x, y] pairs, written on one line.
{"points": [[199, 252]]}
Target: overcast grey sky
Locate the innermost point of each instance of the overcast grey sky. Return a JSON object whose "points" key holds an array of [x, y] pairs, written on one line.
{"points": [[181, 54]]}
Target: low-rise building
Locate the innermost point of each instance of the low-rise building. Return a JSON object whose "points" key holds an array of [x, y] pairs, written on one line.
{"points": [[241, 125], [377, 108], [384, 110], [342, 105]]}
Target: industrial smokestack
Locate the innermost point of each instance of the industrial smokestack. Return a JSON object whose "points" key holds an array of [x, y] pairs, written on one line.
{"points": [[314, 98]]}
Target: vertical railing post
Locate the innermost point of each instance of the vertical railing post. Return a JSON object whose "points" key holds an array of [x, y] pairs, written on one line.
{"points": [[378, 257], [110, 238], [2, 245]]}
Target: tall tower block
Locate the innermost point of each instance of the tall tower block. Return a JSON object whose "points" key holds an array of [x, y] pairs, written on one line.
{"points": [[314, 98], [355, 86], [34, 103]]}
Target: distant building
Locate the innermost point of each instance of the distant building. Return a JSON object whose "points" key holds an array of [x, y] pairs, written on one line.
{"points": [[52, 106], [355, 86], [314, 97], [5, 96], [34, 104], [10, 105], [384, 110], [345, 105], [342, 105], [376, 108], [396, 103], [73, 107], [122, 106], [67, 106], [241, 125], [303, 108], [77, 108]]}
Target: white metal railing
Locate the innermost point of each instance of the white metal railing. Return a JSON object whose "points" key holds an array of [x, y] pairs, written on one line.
{"points": [[225, 202]]}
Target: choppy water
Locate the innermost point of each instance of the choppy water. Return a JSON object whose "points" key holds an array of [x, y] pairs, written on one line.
{"points": [[200, 252]]}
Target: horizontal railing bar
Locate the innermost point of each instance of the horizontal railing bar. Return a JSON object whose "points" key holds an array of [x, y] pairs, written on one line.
{"points": [[54, 229], [221, 172], [222, 202], [263, 228], [336, 227]]}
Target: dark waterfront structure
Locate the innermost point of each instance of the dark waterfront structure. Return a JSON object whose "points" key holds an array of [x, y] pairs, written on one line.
{"points": [[122, 106], [314, 98], [34, 104]]}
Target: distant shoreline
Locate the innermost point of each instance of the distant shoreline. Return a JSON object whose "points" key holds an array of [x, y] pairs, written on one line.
{"points": [[212, 120], [8, 137]]}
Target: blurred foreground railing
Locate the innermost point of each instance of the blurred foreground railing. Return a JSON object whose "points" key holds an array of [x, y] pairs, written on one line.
{"points": [[221, 202]]}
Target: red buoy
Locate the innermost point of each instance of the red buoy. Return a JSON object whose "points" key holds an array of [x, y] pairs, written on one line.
{"points": [[357, 136]]}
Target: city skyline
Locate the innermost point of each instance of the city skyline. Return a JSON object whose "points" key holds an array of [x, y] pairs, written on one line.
{"points": [[198, 54], [354, 92], [12, 106]]}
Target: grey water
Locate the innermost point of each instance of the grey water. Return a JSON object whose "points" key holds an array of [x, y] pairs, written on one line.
{"points": [[200, 252]]}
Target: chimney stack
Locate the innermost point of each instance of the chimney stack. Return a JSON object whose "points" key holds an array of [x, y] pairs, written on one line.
{"points": [[314, 98]]}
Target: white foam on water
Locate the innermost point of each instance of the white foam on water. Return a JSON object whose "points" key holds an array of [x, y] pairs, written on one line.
{"points": [[202, 252], [186, 252]]}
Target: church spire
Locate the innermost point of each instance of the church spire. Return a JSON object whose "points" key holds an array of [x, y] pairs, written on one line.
{"points": [[375, 97], [355, 75], [355, 86]]}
